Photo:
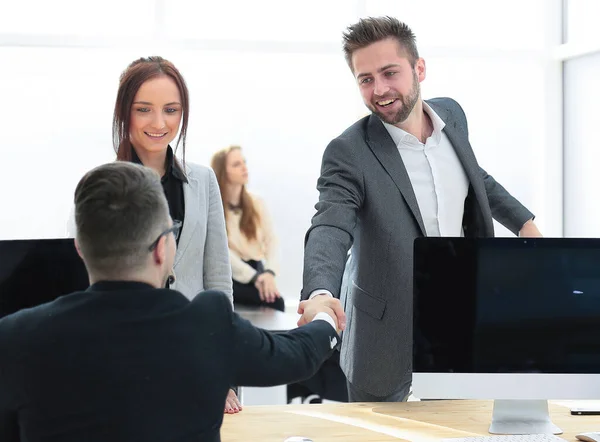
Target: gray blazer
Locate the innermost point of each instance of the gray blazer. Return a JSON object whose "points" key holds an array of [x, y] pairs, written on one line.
{"points": [[202, 259], [366, 201]]}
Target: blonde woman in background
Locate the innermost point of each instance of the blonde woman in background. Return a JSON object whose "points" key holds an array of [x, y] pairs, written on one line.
{"points": [[252, 242]]}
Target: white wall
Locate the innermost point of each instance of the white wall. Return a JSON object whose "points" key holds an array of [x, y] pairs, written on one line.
{"points": [[276, 86], [581, 56], [582, 154]]}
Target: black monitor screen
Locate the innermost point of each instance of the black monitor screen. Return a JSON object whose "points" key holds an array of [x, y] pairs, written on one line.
{"points": [[507, 305], [33, 272]]}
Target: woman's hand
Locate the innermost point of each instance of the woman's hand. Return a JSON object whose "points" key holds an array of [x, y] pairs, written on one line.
{"points": [[232, 403], [267, 289]]}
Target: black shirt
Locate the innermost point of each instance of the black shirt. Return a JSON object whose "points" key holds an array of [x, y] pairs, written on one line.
{"points": [[172, 182]]}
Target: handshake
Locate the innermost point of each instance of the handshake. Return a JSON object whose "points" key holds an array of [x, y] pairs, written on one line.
{"points": [[322, 303]]}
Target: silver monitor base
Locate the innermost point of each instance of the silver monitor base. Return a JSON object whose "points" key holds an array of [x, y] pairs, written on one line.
{"points": [[522, 417]]}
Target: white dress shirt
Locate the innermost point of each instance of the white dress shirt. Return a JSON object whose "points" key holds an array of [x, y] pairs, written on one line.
{"points": [[322, 316], [437, 177]]}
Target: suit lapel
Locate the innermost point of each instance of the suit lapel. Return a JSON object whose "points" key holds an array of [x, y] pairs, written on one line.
{"points": [[192, 208], [383, 147], [457, 135], [458, 138]]}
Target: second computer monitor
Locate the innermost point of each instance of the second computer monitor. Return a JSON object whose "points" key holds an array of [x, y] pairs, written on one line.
{"points": [[507, 318]]}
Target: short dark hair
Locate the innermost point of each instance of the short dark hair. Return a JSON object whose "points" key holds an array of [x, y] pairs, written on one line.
{"points": [[120, 209], [373, 29], [137, 73]]}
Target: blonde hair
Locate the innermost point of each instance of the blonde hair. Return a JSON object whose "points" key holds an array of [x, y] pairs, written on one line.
{"points": [[250, 217]]}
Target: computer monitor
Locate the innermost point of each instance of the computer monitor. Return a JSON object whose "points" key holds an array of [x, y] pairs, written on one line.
{"points": [[511, 319], [33, 272]]}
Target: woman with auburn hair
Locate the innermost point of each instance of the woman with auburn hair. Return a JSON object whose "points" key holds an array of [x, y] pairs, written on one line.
{"points": [[252, 242], [151, 108]]}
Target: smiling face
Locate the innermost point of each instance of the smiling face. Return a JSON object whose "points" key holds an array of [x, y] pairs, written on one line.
{"points": [[155, 115], [388, 83]]}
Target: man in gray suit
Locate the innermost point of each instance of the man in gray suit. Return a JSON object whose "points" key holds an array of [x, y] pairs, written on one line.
{"points": [[407, 170]]}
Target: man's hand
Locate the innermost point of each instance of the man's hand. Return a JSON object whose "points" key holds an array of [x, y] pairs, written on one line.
{"points": [[530, 230], [322, 303], [232, 403]]}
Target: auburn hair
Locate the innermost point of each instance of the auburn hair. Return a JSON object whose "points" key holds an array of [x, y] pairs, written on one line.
{"points": [[136, 74]]}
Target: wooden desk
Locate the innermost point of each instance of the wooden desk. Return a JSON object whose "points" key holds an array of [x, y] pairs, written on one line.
{"points": [[408, 421], [268, 318]]}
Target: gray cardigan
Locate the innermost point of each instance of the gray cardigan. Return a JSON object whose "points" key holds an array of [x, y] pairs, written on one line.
{"points": [[202, 259]]}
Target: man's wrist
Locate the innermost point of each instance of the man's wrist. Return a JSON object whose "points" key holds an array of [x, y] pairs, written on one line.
{"points": [[319, 292], [529, 229], [322, 316]]}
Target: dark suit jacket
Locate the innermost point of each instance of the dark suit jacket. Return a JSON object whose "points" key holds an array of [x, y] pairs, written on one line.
{"points": [[126, 362], [366, 201]]}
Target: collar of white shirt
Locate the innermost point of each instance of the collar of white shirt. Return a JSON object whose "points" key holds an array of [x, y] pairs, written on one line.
{"points": [[400, 136]]}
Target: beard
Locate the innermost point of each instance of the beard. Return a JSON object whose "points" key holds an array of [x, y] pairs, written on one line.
{"points": [[408, 104]]}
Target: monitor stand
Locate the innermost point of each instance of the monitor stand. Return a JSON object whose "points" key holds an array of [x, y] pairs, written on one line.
{"points": [[522, 417]]}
